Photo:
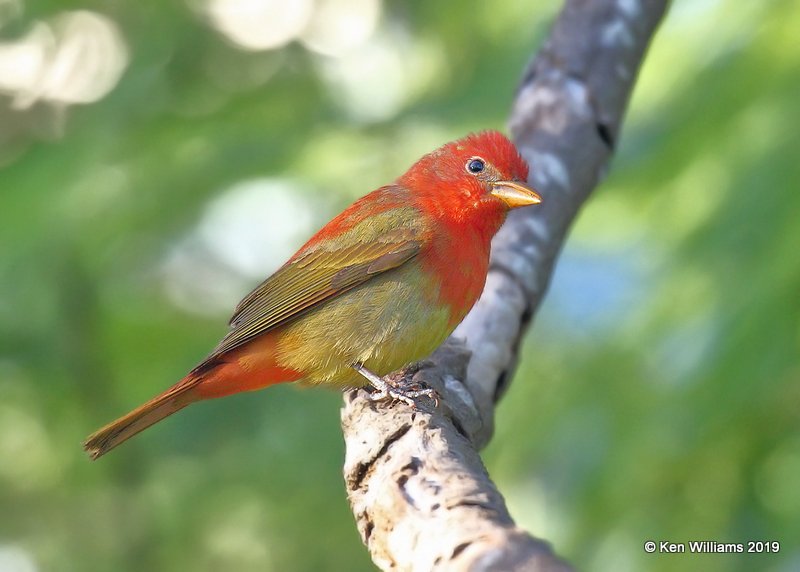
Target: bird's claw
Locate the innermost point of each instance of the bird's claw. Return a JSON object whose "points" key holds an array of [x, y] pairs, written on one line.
{"points": [[405, 394], [387, 389]]}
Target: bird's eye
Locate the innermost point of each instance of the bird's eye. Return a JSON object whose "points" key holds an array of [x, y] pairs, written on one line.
{"points": [[475, 166]]}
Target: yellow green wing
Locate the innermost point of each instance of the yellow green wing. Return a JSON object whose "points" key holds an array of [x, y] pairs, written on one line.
{"points": [[319, 274]]}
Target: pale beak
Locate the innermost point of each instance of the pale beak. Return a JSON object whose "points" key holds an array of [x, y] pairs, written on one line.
{"points": [[515, 194]]}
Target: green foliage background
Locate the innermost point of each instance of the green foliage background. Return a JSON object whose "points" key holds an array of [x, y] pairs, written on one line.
{"points": [[659, 393]]}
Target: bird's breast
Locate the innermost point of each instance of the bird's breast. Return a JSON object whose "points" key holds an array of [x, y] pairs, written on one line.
{"points": [[460, 260]]}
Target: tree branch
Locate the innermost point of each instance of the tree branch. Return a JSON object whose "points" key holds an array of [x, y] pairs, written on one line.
{"points": [[421, 496]]}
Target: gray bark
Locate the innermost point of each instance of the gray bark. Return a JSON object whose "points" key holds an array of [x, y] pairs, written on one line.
{"points": [[420, 494]]}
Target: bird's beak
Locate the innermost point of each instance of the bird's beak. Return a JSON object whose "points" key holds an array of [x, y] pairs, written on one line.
{"points": [[515, 194]]}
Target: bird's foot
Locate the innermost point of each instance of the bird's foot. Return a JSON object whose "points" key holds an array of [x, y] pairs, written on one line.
{"points": [[402, 389]]}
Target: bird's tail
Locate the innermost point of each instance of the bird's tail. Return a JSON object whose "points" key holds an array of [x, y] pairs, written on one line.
{"points": [[172, 400], [248, 368]]}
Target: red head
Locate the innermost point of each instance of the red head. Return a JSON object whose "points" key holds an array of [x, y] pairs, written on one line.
{"points": [[474, 180]]}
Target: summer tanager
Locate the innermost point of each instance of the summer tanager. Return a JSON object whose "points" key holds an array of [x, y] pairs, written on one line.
{"points": [[380, 286]]}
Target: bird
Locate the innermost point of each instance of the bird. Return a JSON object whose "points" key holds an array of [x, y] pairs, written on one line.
{"points": [[378, 287]]}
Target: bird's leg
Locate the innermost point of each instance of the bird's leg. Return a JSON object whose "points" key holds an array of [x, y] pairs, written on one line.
{"points": [[389, 389]]}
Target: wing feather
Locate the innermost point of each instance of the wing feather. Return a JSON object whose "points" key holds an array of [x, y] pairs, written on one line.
{"points": [[315, 277]]}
